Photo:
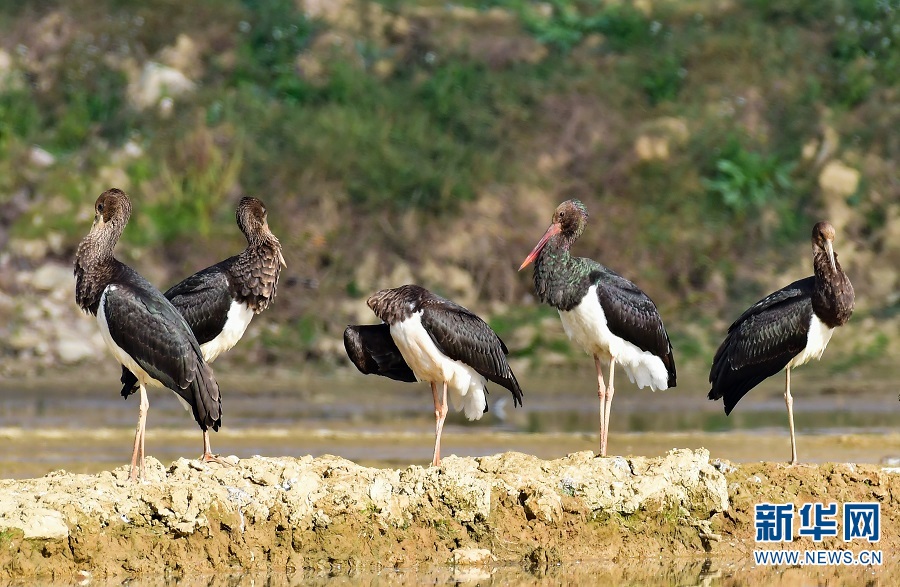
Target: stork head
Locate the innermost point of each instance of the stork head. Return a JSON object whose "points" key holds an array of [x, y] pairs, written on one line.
{"points": [[253, 220], [569, 220], [823, 240]]}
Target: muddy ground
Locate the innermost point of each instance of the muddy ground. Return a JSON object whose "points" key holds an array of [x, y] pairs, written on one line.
{"points": [[676, 519]]}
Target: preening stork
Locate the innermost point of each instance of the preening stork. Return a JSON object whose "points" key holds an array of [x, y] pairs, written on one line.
{"points": [[425, 337], [785, 329], [604, 313], [219, 301], [141, 328]]}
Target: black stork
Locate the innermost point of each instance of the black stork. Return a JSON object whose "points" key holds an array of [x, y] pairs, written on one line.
{"points": [[142, 329], [607, 315], [219, 301], [785, 329], [425, 337]]}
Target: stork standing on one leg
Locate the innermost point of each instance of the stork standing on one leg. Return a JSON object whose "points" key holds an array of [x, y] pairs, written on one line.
{"points": [[142, 329], [785, 329], [428, 338], [607, 315], [219, 301]]}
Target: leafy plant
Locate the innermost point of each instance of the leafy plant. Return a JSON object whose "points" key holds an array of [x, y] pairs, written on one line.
{"points": [[562, 24], [746, 180], [663, 79]]}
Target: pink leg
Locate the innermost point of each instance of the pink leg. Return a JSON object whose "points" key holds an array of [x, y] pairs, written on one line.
{"points": [[440, 414], [610, 391], [137, 455], [789, 402], [601, 393], [208, 456]]}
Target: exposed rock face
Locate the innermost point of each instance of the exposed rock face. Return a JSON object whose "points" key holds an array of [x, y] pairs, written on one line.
{"points": [[659, 136], [157, 82], [40, 325], [286, 513]]}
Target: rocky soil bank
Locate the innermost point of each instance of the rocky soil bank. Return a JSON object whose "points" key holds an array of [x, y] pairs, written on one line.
{"points": [[286, 515]]}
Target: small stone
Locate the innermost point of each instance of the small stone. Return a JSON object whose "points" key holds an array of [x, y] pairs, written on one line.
{"points": [[158, 82], [472, 556], [40, 157], [83, 577], [839, 179], [52, 277], [380, 490], [72, 348]]}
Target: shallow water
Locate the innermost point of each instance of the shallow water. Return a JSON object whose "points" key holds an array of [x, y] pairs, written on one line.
{"points": [[81, 426], [698, 572]]}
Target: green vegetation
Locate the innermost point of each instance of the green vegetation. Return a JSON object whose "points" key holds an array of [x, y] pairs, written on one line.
{"points": [[748, 181], [395, 107]]}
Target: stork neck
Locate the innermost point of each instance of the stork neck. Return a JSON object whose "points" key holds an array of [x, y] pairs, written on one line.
{"points": [[262, 250], [94, 268], [97, 247], [560, 279], [255, 272], [833, 298]]}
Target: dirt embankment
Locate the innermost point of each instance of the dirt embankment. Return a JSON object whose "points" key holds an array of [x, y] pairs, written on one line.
{"points": [[287, 514]]}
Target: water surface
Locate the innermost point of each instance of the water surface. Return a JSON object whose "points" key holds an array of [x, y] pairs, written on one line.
{"points": [[83, 425]]}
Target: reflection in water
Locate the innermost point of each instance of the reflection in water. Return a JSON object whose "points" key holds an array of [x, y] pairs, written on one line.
{"points": [[699, 572]]}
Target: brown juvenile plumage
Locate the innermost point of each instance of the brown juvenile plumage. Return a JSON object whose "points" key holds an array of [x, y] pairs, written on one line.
{"points": [[94, 261], [255, 271]]}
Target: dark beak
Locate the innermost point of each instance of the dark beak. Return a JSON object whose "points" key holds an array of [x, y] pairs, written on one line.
{"points": [[553, 230]]}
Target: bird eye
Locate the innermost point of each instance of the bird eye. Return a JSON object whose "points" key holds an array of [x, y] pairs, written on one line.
{"points": [[99, 207]]}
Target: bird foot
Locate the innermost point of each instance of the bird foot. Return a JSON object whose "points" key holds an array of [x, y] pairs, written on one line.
{"points": [[208, 457], [136, 475]]}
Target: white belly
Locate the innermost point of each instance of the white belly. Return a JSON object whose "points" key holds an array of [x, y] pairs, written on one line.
{"points": [[239, 316], [816, 341], [464, 384], [144, 379], [586, 325]]}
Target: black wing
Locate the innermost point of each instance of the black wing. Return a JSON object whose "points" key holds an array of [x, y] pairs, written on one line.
{"points": [[632, 315], [373, 351], [203, 299], [147, 327], [761, 342], [463, 336]]}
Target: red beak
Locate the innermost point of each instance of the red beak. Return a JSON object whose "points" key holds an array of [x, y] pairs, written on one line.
{"points": [[554, 229]]}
